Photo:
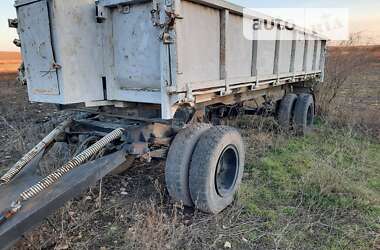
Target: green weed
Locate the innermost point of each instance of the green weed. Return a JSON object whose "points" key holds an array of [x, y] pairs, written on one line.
{"points": [[319, 191]]}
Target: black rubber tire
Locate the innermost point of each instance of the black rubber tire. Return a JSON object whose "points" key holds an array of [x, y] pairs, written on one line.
{"points": [[204, 164], [286, 110], [304, 114], [178, 162]]}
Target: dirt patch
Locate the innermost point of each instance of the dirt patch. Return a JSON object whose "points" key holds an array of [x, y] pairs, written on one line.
{"points": [[9, 62], [353, 78], [17, 116]]}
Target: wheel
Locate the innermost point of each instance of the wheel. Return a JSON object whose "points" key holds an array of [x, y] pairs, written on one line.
{"points": [[216, 169], [178, 162], [285, 112], [304, 114]]}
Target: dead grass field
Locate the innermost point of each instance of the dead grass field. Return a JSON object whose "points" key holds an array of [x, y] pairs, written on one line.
{"points": [[361, 95], [9, 62], [317, 192]]}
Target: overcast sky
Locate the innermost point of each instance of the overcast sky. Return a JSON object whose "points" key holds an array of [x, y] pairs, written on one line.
{"points": [[364, 15]]}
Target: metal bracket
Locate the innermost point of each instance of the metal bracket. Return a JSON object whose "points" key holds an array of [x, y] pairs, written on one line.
{"points": [[137, 148], [189, 94], [155, 14], [172, 16], [101, 13], [13, 23], [17, 42], [126, 9], [166, 38]]}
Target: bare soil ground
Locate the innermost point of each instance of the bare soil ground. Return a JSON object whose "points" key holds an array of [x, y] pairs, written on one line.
{"points": [[305, 201], [17, 115], [359, 100], [9, 62]]}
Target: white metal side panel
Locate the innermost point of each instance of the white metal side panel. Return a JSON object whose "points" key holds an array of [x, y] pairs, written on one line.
{"points": [[266, 50], [37, 50], [318, 55], [299, 53], [265, 58], [239, 52], [285, 51], [136, 48], [310, 55], [78, 50], [198, 44]]}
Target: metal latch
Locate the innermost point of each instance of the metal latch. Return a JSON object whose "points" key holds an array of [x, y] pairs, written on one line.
{"points": [[166, 38], [100, 13], [17, 42], [171, 17], [155, 13], [124, 9]]}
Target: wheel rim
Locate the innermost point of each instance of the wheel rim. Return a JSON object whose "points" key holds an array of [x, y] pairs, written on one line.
{"points": [[227, 171]]}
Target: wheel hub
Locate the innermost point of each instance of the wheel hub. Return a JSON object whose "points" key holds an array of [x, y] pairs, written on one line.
{"points": [[227, 171]]}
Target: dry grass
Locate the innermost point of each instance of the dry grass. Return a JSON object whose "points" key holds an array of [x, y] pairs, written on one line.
{"points": [[9, 62], [317, 192], [351, 91]]}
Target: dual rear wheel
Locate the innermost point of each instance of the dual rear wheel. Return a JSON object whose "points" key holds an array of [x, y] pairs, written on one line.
{"points": [[296, 113], [205, 166]]}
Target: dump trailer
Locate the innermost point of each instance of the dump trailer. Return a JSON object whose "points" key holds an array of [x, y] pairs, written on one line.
{"points": [[153, 79]]}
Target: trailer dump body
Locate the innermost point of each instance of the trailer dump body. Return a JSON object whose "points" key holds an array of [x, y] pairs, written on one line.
{"points": [[157, 52]]}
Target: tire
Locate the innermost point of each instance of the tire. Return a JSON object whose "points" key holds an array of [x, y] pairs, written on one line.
{"points": [[304, 114], [286, 110], [178, 162], [212, 192]]}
